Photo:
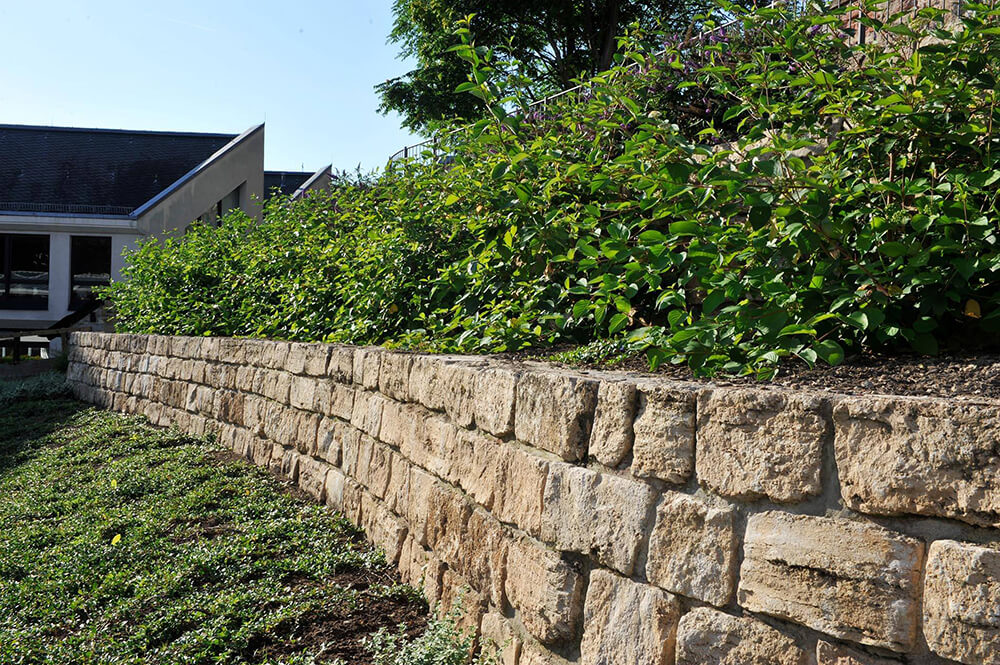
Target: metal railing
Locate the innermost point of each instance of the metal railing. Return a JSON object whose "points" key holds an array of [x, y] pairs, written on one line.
{"points": [[66, 208]]}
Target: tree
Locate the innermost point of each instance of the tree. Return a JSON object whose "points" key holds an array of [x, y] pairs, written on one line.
{"points": [[555, 42]]}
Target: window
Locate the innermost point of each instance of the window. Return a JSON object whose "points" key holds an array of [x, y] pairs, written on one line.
{"points": [[24, 268], [90, 266]]}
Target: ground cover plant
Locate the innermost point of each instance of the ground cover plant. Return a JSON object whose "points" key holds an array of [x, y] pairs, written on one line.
{"points": [[775, 191], [126, 544]]}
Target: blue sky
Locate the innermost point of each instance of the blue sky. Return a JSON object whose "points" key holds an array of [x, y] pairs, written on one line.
{"points": [[305, 68]]}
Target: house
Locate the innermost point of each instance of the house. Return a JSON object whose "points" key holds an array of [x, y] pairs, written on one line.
{"points": [[295, 184], [72, 200]]}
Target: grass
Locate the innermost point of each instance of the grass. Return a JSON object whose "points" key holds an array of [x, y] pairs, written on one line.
{"points": [[121, 543]]}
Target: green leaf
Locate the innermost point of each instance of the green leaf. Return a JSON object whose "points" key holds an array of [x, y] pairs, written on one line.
{"points": [[687, 228], [893, 249], [581, 309], [617, 322], [829, 352], [452, 199], [925, 344]]}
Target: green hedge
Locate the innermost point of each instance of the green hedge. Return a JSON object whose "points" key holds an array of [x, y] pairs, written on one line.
{"points": [[726, 206]]}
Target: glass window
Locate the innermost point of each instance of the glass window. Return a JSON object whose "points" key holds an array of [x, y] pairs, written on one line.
{"points": [[90, 267], [25, 272]]}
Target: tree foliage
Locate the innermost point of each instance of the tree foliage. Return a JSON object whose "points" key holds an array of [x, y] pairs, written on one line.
{"points": [[776, 191], [553, 42]]}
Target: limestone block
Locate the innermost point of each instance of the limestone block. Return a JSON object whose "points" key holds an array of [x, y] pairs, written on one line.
{"points": [[518, 499], [334, 490], [554, 412], [317, 356], [302, 392], [596, 514], [399, 484], [834, 654], [231, 350], [664, 432], [358, 457], [312, 477], [852, 580], [386, 531], [401, 424], [379, 470], [367, 414], [627, 622], [755, 444], [493, 400], [290, 464], [306, 432], [498, 635], [457, 386], [428, 441], [919, 456], [423, 382], [482, 558], [186, 348], [274, 385], [612, 436], [329, 434], [340, 368], [545, 590], [708, 637], [367, 364], [962, 602], [421, 492], [692, 549], [295, 362], [476, 466], [457, 594], [275, 355], [394, 375], [341, 402]]}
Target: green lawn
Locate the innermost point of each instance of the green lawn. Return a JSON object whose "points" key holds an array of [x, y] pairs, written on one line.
{"points": [[121, 543]]}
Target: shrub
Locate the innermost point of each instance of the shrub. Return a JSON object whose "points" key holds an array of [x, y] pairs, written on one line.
{"points": [[836, 197]]}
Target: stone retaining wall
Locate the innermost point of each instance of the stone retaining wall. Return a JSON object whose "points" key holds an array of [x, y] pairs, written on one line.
{"points": [[615, 519]]}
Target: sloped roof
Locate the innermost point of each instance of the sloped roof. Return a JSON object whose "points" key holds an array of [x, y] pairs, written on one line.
{"points": [[94, 171], [287, 182]]}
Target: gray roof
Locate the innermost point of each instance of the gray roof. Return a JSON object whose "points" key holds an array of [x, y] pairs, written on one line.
{"points": [[94, 171], [287, 182]]}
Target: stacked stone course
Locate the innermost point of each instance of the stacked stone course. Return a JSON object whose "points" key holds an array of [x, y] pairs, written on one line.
{"points": [[594, 518]]}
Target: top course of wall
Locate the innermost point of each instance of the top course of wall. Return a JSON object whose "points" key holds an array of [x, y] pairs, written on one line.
{"points": [[613, 518]]}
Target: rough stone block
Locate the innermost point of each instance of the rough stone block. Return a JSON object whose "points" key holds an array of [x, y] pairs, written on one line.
{"points": [[962, 602], [475, 465], [457, 386], [836, 654], [399, 484], [498, 635], [545, 591], [627, 622], [554, 412], [384, 529], [493, 400], [367, 414], [312, 477], [596, 514], [329, 434], [302, 392], [612, 435], [919, 456], [379, 470], [340, 368], [341, 402], [755, 444], [852, 580], [692, 549], [394, 375], [306, 432], [367, 365], [708, 637], [519, 497], [664, 432], [334, 490], [483, 559]]}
